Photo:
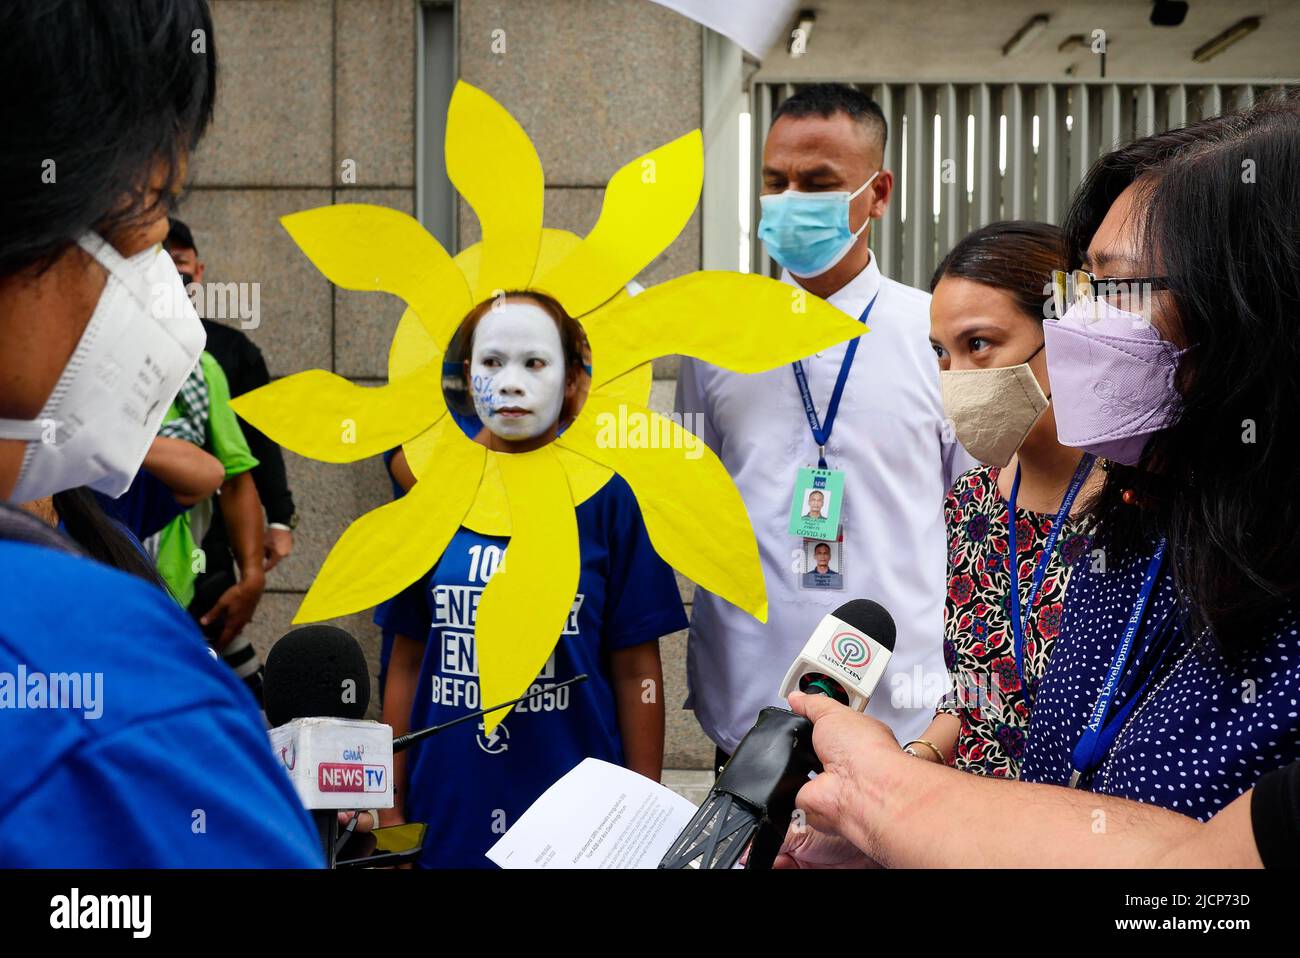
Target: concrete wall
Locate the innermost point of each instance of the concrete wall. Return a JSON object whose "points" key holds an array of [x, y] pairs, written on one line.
{"points": [[309, 84]]}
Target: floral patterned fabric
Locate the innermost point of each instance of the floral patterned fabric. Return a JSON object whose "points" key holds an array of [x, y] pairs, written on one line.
{"points": [[978, 646]]}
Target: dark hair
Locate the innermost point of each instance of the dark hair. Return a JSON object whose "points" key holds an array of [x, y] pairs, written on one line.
{"points": [[1014, 256], [101, 537], [104, 96], [179, 236], [1220, 219], [827, 99]]}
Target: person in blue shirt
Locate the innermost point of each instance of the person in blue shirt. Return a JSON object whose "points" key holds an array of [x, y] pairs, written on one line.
{"points": [[401, 478], [123, 742], [526, 363]]}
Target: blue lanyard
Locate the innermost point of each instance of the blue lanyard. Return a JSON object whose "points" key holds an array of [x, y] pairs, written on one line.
{"points": [[1019, 624], [822, 431], [1099, 734]]}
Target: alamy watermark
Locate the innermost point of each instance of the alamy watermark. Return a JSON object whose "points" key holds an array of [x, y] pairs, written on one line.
{"points": [[220, 301], [923, 689], [74, 691], [637, 429]]}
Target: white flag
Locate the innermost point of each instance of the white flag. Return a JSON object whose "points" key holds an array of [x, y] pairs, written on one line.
{"points": [[755, 25]]}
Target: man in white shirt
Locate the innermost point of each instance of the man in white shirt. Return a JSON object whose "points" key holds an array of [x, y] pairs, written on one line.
{"points": [[822, 184]]}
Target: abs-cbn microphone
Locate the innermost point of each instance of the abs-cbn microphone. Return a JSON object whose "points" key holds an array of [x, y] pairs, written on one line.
{"points": [[317, 690], [753, 799]]}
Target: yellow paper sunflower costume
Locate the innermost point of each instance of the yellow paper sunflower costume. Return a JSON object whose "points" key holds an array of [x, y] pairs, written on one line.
{"points": [[740, 322]]}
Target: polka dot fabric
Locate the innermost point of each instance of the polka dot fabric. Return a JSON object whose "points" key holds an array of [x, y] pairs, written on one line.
{"points": [[989, 700], [1205, 730]]}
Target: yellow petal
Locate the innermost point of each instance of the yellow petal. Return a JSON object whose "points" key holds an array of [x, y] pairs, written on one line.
{"points": [[390, 547], [527, 601], [412, 347], [490, 513], [323, 416], [744, 323], [646, 205], [633, 387], [493, 165], [695, 517], [365, 247], [422, 450]]}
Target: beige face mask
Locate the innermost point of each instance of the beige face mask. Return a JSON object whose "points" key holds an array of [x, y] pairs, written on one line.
{"points": [[992, 410]]}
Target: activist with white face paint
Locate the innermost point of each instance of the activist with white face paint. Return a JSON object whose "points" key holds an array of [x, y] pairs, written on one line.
{"points": [[524, 370], [518, 373]]}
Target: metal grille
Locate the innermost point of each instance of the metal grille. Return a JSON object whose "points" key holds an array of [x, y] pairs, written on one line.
{"points": [[966, 154]]}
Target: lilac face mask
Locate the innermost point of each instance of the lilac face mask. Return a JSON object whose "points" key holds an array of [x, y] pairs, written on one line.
{"points": [[1112, 380]]}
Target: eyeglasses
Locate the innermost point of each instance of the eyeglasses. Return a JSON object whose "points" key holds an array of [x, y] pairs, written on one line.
{"points": [[1131, 294]]}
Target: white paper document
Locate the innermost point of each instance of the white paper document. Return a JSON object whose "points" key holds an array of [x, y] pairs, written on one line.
{"points": [[597, 816]]}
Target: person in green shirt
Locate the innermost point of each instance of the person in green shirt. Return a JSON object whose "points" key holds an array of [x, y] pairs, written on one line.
{"points": [[201, 413]]}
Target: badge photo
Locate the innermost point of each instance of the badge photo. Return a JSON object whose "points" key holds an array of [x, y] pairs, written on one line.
{"points": [[815, 507], [823, 564]]}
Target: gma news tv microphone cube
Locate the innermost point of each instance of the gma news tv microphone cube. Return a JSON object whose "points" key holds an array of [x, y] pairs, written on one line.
{"points": [[317, 690]]}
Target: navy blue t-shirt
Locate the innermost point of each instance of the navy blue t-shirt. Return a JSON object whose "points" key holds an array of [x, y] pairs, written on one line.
{"points": [[146, 506], [386, 635], [154, 757], [468, 787]]}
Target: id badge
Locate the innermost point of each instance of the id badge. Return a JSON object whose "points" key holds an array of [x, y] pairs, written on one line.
{"points": [[816, 504], [823, 564]]}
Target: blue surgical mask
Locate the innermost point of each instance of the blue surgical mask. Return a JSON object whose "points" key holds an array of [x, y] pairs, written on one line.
{"points": [[808, 233]]}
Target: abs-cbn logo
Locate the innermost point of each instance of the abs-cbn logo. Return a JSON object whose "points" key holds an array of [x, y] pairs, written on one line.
{"points": [[847, 651], [340, 777]]}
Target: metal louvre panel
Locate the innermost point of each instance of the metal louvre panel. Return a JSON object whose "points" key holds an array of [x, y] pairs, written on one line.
{"points": [[889, 229], [918, 245], [1077, 122], [952, 168]]}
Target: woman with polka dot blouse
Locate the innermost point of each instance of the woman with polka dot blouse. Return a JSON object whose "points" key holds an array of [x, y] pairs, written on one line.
{"points": [[1175, 679]]}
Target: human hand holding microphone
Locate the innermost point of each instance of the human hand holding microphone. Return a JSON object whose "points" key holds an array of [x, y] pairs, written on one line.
{"points": [[854, 750], [750, 807]]}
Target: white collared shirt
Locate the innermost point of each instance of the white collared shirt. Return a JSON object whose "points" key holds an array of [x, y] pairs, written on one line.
{"points": [[889, 440]]}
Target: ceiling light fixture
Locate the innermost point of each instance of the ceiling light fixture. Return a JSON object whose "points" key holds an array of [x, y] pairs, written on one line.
{"points": [[1216, 45], [1034, 26]]}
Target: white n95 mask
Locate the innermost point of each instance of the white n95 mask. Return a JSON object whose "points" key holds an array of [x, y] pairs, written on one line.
{"points": [[992, 410], [142, 340]]}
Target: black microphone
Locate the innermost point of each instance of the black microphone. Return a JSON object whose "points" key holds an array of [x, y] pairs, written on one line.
{"points": [[753, 800], [316, 692], [316, 671]]}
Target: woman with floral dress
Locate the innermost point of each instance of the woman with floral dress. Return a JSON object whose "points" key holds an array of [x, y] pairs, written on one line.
{"points": [[986, 328]]}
